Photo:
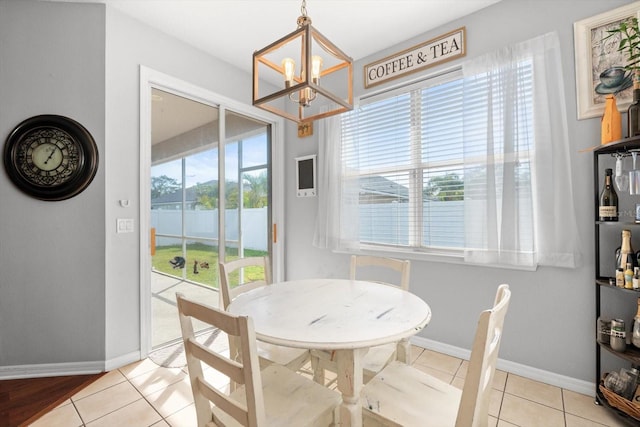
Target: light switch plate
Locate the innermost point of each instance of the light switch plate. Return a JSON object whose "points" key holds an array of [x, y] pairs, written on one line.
{"points": [[124, 225]]}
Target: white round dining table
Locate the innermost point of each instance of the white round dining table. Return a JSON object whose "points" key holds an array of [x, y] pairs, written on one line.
{"points": [[340, 315]]}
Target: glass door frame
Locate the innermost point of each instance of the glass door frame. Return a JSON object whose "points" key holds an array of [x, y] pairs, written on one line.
{"points": [[149, 79]]}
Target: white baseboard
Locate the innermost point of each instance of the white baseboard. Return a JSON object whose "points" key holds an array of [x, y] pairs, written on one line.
{"points": [[84, 368], [573, 384], [50, 370], [121, 361], [60, 369]]}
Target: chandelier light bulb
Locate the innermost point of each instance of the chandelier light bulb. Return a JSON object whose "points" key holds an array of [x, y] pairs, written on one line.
{"points": [[316, 65], [289, 66]]}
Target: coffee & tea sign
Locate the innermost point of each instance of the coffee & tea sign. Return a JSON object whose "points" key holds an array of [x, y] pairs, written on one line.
{"points": [[435, 51]]}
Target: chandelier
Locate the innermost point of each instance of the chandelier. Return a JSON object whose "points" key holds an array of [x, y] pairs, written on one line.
{"points": [[305, 69]]}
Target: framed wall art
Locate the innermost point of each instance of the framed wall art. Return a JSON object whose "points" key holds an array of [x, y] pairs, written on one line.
{"points": [[599, 65]]}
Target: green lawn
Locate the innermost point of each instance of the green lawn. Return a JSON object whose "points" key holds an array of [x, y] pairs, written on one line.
{"points": [[203, 254]]}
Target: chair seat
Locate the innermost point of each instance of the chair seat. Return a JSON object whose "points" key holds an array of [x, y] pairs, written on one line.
{"points": [[292, 358], [376, 359], [401, 395], [314, 404], [408, 394]]}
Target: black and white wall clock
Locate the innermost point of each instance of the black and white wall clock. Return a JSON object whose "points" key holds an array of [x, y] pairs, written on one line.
{"points": [[51, 157]]}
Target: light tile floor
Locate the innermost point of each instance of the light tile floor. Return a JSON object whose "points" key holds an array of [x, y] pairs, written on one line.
{"points": [[143, 394]]}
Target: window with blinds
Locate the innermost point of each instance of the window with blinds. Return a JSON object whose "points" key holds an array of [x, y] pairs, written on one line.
{"points": [[406, 150]]}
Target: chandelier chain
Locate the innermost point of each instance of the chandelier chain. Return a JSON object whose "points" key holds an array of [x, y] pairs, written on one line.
{"points": [[303, 19]]}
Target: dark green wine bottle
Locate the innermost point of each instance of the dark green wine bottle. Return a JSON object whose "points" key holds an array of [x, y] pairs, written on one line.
{"points": [[608, 206]]}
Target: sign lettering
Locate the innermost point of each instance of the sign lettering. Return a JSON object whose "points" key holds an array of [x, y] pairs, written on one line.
{"points": [[436, 51]]}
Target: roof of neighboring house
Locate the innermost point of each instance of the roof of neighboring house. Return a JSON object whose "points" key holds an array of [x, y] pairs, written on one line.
{"points": [[382, 187], [176, 196], [370, 186]]}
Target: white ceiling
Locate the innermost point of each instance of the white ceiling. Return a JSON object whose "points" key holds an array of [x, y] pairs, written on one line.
{"points": [[233, 29]]}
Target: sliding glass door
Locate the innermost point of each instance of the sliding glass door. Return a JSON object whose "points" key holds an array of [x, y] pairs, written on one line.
{"points": [[247, 213], [198, 188]]}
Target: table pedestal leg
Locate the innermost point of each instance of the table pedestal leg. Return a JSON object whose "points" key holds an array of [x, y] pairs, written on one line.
{"points": [[403, 351], [318, 370], [350, 385]]}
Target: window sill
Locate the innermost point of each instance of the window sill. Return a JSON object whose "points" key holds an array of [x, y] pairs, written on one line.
{"points": [[446, 256], [440, 256]]}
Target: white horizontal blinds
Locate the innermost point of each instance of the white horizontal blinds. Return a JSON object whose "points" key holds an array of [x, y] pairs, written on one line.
{"points": [[442, 172], [376, 147], [498, 145], [406, 152]]}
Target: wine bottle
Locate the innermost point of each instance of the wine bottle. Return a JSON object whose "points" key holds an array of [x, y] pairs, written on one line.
{"points": [[625, 254], [608, 207], [633, 112]]}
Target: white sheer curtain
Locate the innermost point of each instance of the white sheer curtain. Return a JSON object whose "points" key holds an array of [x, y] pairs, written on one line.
{"points": [[519, 209], [337, 220]]}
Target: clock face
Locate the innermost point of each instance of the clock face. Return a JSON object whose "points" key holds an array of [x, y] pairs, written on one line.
{"points": [[51, 157]]}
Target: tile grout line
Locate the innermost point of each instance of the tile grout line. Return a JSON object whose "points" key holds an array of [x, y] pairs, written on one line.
{"points": [[162, 418], [502, 398], [564, 407], [77, 412], [126, 379]]}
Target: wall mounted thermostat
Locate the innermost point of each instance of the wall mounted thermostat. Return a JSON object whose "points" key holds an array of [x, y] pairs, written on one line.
{"points": [[306, 184]]}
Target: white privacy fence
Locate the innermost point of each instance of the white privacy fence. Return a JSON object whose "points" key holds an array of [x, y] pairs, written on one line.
{"points": [[203, 224], [386, 223]]}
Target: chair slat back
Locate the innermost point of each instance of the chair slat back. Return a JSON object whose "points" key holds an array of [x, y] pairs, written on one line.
{"points": [[401, 266], [246, 371], [229, 292], [476, 392]]}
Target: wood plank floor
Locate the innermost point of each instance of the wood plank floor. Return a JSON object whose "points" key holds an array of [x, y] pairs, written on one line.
{"points": [[24, 401]]}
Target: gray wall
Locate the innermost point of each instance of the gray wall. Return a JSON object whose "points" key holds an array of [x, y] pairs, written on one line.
{"points": [[551, 318], [69, 288], [52, 280]]}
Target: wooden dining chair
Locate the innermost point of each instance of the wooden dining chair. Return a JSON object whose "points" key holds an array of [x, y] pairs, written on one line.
{"points": [[360, 262], [401, 395], [273, 396], [292, 358], [376, 358]]}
